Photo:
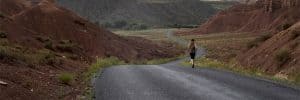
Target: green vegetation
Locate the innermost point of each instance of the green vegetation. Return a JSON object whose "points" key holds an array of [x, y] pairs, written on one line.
{"points": [[66, 78], [182, 26], [282, 56], [159, 61], [100, 64], [49, 45], [66, 46], [220, 48], [122, 24], [230, 66], [96, 67], [233, 66], [32, 58]]}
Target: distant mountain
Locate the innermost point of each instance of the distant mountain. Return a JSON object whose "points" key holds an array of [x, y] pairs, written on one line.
{"points": [[148, 12], [221, 5], [242, 1]]}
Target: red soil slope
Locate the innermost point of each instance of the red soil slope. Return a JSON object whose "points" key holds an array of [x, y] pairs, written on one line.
{"points": [[38, 27], [47, 20], [262, 16], [264, 56]]}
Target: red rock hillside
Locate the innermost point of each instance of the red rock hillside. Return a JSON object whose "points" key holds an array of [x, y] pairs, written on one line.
{"points": [[279, 54], [262, 16], [42, 44], [29, 20]]}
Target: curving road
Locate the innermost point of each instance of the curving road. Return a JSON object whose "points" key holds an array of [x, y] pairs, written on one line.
{"points": [[173, 82]]}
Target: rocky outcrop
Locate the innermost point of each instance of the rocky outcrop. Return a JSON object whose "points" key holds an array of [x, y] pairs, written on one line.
{"points": [[279, 54], [260, 17], [271, 5]]}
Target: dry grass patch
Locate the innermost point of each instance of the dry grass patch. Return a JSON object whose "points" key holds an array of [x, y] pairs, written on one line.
{"points": [[151, 34]]}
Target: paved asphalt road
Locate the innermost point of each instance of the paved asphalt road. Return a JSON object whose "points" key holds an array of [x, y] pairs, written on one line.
{"points": [[174, 82]]}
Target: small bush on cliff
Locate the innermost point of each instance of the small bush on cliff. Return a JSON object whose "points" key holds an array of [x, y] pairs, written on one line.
{"points": [[49, 45], [65, 78], [282, 56], [101, 63], [66, 46]]}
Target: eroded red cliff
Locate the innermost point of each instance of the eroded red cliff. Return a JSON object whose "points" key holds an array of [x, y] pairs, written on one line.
{"points": [[262, 16]]}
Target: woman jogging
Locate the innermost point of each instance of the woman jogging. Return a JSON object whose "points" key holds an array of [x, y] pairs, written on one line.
{"points": [[192, 50]]}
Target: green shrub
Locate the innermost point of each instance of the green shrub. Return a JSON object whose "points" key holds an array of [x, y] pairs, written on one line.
{"points": [[160, 61], [7, 53], [49, 45], [69, 47], [66, 78], [282, 56], [120, 24], [102, 63], [107, 25], [49, 58]]}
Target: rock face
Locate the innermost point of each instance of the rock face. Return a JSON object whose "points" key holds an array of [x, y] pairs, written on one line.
{"points": [[279, 54], [43, 18], [39, 41], [268, 56], [260, 17], [271, 5]]}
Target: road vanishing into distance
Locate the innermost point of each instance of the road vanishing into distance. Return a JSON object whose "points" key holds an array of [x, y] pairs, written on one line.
{"points": [[172, 81]]}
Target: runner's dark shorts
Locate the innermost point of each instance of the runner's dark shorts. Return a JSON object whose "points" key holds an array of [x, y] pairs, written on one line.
{"points": [[192, 55]]}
